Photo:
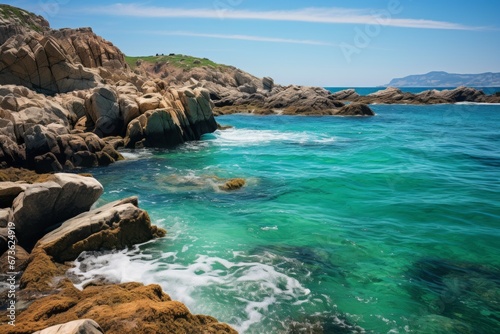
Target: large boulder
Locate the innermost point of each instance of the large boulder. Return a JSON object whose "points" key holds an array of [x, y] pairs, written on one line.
{"points": [[355, 109], [117, 225], [103, 110], [42, 205]]}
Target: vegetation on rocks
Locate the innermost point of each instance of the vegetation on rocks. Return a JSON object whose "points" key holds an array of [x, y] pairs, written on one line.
{"points": [[176, 60]]}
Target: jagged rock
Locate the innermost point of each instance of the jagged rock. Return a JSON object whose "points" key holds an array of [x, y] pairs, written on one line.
{"points": [[103, 110], [462, 94], [25, 109], [162, 129], [181, 115], [303, 99], [114, 226], [355, 109], [38, 62], [248, 89], [151, 101], [88, 49], [268, 83], [16, 21], [9, 191], [11, 154], [76, 106], [346, 94], [83, 326], [39, 141], [43, 205], [47, 163]]}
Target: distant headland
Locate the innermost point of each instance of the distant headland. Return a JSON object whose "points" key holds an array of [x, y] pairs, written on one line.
{"points": [[445, 79]]}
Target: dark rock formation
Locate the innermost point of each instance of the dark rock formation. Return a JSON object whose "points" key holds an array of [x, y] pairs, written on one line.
{"points": [[392, 95], [355, 109]]}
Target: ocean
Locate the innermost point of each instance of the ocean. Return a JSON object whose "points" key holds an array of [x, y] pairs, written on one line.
{"points": [[388, 224]]}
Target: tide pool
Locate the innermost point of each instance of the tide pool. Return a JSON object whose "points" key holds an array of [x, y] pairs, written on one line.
{"points": [[389, 224]]}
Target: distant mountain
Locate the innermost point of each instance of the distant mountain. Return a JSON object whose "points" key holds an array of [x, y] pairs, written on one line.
{"points": [[444, 79]]}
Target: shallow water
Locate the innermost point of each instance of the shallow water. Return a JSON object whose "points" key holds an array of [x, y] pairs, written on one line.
{"points": [[345, 225]]}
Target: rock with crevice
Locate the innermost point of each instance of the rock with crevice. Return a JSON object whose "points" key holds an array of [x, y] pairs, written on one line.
{"points": [[103, 110], [42, 205], [116, 225], [38, 62]]}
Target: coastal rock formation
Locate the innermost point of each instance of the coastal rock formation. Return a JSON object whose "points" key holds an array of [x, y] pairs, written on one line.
{"points": [[84, 47], [15, 21], [42, 205], [116, 225], [39, 63], [392, 95], [235, 91], [355, 109], [175, 117]]}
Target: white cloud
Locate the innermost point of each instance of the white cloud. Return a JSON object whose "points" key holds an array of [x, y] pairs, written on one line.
{"points": [[242, 37], [315, 15]]}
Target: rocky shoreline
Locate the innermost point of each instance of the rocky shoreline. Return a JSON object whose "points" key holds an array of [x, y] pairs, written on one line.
{"points": [[68, 99], [62, 204]]}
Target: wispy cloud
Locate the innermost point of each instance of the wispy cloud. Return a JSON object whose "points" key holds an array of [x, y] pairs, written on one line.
{"points": [[242, 37], [314, 15]]}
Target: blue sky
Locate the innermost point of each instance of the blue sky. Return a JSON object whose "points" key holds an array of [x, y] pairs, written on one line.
{"points": [[318, 42]]}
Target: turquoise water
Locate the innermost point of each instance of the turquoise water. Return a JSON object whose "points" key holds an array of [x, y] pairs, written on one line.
{"points": [[389, 224], [414, 90]]}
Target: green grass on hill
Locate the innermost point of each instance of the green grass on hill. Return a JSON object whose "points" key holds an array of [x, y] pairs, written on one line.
{"points": [[7, 12], [181, 61]]}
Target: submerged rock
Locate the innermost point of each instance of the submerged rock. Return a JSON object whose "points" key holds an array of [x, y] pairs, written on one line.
{"points": [[233, 184], [464, 294]]}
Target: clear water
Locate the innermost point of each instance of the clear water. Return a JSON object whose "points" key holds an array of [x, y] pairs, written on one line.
{"points": [[414, 90], [389, 224]]}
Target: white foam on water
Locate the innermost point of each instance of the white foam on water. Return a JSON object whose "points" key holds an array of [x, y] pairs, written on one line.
{"points": [[248, 137], [248, 280], [136, 154], [269, 228]]}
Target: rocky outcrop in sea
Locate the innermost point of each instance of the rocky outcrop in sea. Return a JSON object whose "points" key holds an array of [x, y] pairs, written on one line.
{"points": [[393, 95]]}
